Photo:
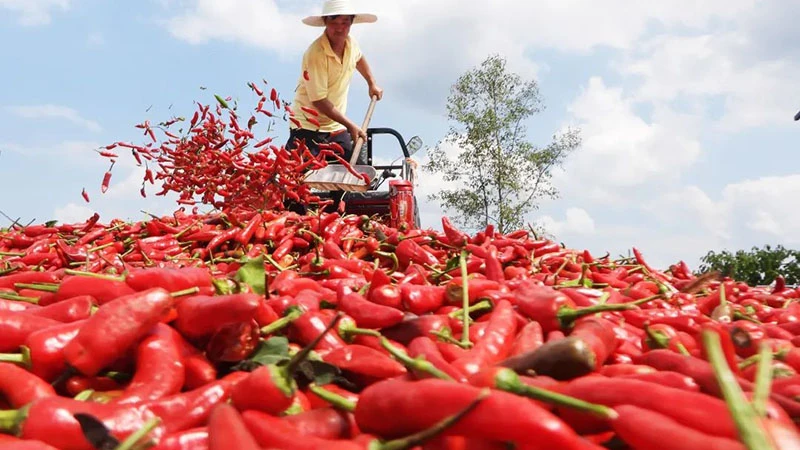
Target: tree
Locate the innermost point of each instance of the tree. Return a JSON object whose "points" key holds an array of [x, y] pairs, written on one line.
{"points": [[500, 175], [759, 266]]}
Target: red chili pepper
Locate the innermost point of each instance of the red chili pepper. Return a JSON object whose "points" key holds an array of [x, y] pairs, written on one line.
{"points": [[43, 355], [233, 342], [70, 310], [687, 408], [364, 361], [173, 280], [306, 76], [668, 379], [529, 339], [8, 281], [393, 408], [85, 195], [306, 328], [115, 328], [477, 288], [425, 347], [16, 327], [20, 387], [159, 369], [325, 423], [645, 429], [408, 251], [106, 181], [192, 439], [368, 314], [271, 388], [227, 430], [552, 309], [202, 315], [101, 289], [496, 343], [422, 299]]}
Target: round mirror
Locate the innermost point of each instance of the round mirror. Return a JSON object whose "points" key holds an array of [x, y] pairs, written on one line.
{"points": [[414, 144]]}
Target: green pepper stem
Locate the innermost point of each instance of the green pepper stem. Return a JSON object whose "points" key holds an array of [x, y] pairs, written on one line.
{"points": [[462, 262], [508, 380], [9, 419], [84, 395], [22, 358], [94, 275], [283, 322], [480, 306], [423, 436], [189, 291], [333, 398], [137, 436], [301, 356], [763, 380], [751, 431], [392, 256], [44, 287], [419, 364], [18, 298], [569, 314]]}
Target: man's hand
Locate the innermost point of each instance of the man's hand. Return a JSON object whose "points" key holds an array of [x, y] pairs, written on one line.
{"points": [[356, 132], [375, 91]]}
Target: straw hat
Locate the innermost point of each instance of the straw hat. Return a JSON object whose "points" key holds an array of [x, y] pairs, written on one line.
{"points": [[339, 8]]}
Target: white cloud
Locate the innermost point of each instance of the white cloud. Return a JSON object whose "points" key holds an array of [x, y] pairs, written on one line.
{"points": [[72, 213], [766, 205], [55, 111], [710, 66], [577, 222], [620, 148], [34, 12]]}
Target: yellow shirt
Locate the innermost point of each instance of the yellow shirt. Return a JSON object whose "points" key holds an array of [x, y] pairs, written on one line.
{"points": [[328, 77]]}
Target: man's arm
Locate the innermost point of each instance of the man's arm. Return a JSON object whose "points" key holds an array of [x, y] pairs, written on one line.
{"points": [[326, 107], [363, 68]]}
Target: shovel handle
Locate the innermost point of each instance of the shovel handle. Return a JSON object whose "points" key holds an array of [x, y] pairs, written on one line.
{"points": [[360, 140]]}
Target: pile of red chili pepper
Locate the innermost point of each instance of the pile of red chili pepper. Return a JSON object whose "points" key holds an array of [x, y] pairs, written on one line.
{"points": [[217, 161], [278, 331]]}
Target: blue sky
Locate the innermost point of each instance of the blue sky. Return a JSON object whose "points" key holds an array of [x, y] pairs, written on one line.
{"points": [[685, 108]]}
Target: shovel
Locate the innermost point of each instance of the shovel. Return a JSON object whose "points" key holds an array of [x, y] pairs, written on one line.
{"points": [[336, 177]]}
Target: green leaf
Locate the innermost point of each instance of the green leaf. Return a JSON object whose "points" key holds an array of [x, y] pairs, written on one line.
{"points": [[272, 351], [322, 373], [253, 274], [224, 286]]}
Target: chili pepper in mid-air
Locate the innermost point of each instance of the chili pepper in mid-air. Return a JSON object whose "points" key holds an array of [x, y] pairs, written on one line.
{"points": [[115, 328]]}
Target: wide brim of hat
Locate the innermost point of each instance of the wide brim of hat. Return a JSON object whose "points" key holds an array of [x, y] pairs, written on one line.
{"points": [[317, 21]]}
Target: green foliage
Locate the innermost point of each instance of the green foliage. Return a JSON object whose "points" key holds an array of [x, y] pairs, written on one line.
{"points": [[500, 175], [759, 266]]}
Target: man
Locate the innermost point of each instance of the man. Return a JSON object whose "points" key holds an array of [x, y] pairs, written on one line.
{"points": [[324, 82]]}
